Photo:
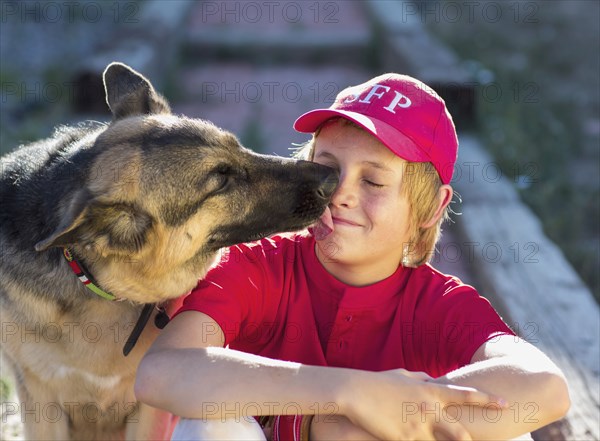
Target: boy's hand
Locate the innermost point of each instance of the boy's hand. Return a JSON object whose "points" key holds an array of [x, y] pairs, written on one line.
{"points": [[396, 405], [410, 374]]}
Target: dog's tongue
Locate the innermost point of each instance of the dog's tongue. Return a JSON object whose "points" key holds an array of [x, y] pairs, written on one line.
{"points": [[324, 226]]}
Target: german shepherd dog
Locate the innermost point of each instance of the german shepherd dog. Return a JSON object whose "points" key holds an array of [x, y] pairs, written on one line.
{"points": [[135, 211]]}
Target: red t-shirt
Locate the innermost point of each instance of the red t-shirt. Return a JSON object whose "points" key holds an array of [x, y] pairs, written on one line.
{"points": [[274, 298]]}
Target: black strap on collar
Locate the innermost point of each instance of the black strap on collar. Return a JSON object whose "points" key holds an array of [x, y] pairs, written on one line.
{"points": [[160, 321]]}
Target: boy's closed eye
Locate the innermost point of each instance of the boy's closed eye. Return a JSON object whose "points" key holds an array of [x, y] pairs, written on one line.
{"points": [[373, 183]]}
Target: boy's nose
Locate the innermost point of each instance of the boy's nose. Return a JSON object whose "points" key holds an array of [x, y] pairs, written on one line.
{"points": [[345, 193]]}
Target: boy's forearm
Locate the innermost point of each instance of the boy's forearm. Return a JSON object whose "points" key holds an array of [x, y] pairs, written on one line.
{"points": [[210, 377], [217, 383], [535, 398]]}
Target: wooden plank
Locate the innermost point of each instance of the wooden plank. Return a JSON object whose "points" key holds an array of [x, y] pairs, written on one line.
{"points": [[405, 46], [530, 281]]}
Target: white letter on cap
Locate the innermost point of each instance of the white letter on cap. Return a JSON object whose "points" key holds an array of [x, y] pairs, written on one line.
{"points": [[396, 102], [367, 99]]}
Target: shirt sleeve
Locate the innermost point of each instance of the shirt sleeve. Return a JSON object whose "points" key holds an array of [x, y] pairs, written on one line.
{"points": [[291, 427], [228, 290], [453, 326]]}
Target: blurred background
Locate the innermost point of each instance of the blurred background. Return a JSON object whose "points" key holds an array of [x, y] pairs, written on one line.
{"points": [[522, 77]]}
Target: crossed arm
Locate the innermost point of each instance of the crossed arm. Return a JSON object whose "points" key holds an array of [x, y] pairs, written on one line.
{"points": [[208, 376], [534, 388]]}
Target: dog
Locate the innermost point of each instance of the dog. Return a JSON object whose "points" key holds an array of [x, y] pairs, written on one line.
{"points": [[101, 222]]}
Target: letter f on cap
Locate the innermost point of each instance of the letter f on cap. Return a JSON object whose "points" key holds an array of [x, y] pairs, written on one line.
{"points": [[373, 91]]}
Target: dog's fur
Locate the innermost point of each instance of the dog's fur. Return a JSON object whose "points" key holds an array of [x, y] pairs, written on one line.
{"points": [[145, 203]]}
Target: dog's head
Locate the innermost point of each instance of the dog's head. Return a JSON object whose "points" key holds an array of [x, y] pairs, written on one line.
{"points": [[164, 193]]}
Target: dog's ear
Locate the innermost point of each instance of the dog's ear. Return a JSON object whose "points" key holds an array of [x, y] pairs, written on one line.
{"points": [[115, 228], [71, 218], [129, 93], [111, 228]]}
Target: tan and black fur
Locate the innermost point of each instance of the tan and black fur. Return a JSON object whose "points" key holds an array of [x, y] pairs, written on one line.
{"points": [[145, 203]]}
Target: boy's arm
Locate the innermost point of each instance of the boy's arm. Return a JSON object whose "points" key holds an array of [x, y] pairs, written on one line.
{"points": [[534, 387], [183, 374]]}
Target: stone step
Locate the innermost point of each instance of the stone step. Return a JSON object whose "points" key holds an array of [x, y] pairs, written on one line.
{"points": [[260, 104], [274, 32]]}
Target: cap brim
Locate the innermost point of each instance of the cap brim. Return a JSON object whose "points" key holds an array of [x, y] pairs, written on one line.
{"points": [[392, 138]]}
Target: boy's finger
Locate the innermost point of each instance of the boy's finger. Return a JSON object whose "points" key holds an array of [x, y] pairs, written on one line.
{"points": [[451, 432], [419, 376], [415, 375]]}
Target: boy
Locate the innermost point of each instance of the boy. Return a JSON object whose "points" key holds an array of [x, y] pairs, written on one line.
{"points": [[349, 322]]}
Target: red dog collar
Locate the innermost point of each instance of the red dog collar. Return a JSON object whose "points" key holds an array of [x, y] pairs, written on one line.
{"points": [[84, 278]]}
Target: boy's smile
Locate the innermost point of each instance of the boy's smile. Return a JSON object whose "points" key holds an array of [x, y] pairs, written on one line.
{"points": [[340, 221], [368, 210]]}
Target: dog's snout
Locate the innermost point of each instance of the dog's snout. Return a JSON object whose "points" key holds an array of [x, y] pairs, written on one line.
{"points": [[328, 184], [322, 180]]}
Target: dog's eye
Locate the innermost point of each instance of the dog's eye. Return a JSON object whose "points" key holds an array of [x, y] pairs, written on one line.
{"points": [[224, 174], [223, 169]]}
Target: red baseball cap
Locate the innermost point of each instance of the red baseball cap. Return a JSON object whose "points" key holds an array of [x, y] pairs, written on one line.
{"points": [[406, 115]]}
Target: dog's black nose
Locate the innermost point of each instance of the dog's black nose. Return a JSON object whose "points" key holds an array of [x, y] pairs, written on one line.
{"points": [[321, 180], [328, 184]]}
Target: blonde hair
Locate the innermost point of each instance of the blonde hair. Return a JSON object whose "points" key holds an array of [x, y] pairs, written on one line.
{"points": [[420, 184]]}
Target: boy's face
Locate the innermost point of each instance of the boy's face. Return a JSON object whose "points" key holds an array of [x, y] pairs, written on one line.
{"points": [[370, 214]]}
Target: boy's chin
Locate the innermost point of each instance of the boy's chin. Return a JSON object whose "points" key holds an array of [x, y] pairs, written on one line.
{"points": [[334, 248]]}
